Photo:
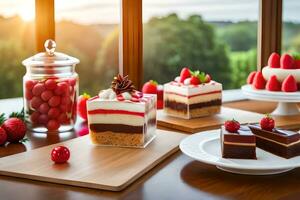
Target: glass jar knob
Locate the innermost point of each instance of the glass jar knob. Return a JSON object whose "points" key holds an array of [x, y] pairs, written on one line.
{"points": [[50, 46]]}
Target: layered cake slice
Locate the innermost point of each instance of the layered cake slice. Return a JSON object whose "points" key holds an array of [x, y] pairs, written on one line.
{"points": [[122, 116], [192, 95], [237, 141], [280, 142]]}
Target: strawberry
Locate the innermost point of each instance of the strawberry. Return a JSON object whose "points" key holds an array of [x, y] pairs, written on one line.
{"points": [[207, 78], [15, 129], [273, 84], [194, 80], [289, 84], [81, 105], [160, 97], [3, 136], [150, 87], [251, 77], [232, 126], [286, 61], [184, 74], [297, 64], [274, 60], [267, 123], [259, 81]]}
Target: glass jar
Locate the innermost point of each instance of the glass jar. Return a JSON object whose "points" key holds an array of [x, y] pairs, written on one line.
{"points": [[50, 89]]}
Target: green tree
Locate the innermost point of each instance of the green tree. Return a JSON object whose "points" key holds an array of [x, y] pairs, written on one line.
{"points": [[171, 43]]}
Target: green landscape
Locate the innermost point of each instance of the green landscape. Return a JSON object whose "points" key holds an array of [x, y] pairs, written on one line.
{"points": [[226, 50]]}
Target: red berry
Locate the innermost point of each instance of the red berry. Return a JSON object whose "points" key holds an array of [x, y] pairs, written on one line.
{"points": [[54, 101], [34, 117], [15, 129], [259, 81], [194, 80], [72, 81], [3, 136], [29, 84], [61, 88], [43, 119], [62, 118], [133, 99], [274, 60], [52, 125], [28, 95], [44, 108], [160, 104], [150, 87], [50, 84], [81, 105], [60, 154], [63, 108], [184, 74], [65, 100], [251, 77], [53, 113], [120, 98], [273, 84], [38, 89], [289, 84], [286, 61], [207, 78], [297, 64], [267, 123], [232, 126], [36, 102], [46, 95]]}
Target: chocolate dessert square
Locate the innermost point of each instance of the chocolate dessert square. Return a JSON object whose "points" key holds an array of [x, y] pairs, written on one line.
{"points": [[239, 145], [280, 142]]}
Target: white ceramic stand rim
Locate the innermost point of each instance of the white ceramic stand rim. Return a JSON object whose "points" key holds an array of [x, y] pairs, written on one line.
{"points": [[254, 172], [287, 102]]}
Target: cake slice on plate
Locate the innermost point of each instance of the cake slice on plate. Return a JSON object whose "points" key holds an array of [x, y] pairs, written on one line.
{"points": [[122, 116], [277, 141], [192, 95], [237, 141]]}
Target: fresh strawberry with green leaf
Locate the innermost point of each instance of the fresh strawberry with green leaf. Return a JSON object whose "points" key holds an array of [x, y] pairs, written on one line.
{"points": [[3, 134], [296, 57], [15, 129], [150, 87], [267, 123], [184, 74], [81, 105], [232, 126]]}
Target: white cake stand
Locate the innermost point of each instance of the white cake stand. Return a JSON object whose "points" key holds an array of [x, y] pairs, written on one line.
{"points": [[287, 102]]}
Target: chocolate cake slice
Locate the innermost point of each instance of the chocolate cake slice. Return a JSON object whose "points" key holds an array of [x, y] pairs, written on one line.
{"points": [[280, 142], [240, 144]]}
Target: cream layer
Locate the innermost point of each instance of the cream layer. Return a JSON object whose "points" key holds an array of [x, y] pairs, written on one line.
{"points": [[192, 100]]}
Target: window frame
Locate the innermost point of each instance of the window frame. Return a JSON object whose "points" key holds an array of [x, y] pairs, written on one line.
{"points": [[131, 33]]}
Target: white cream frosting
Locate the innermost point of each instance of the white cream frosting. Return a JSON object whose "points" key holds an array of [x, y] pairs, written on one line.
{"points": [[280, 73], [107, 94], [189, 90]]}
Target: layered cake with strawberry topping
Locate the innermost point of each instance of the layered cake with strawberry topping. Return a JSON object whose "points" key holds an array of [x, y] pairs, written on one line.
{"points": [[281, 75], [237, 141], [192, 94], [122, 116]]}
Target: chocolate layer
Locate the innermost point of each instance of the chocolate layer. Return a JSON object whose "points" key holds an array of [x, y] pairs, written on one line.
{"points": [[278, 135], [238, 152], [116, 128], [182, 106], [243, 135]]}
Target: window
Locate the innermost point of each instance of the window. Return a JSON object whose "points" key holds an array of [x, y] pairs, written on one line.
{"points": [[17, 41], [218, 37], [88, 30]]}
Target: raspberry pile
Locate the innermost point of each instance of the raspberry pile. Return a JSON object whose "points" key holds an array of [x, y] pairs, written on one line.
{"points": [[51, 102]]}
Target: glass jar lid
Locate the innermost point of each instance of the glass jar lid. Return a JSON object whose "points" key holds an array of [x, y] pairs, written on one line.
{"points": [[50, 57]]}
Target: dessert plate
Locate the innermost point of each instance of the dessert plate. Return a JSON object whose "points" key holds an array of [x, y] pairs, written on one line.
{"points": [[205, 147]]}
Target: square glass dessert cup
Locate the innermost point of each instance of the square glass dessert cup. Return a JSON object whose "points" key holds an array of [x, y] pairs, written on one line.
{"points": [[122, 122], [192, 101]]}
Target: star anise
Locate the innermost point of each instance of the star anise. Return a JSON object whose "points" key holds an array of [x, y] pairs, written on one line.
{"points": [[122, 84]]}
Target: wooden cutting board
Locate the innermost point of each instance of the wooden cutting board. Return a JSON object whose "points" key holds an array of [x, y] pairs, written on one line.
{"points": [[206, 123], [108, 168]]}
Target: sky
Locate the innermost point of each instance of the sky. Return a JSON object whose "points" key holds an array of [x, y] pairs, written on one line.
{"points": [[108, 11]]}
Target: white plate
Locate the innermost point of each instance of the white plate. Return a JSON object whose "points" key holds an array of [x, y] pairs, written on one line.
{"points": [[205, 147]]}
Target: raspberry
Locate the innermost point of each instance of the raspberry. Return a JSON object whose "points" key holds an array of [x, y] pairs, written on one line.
{"points": [[38, 89], [52, 125], [54, 101], [46, 95], [36, 102], [50, 84], [44, 108], [53, 113]]}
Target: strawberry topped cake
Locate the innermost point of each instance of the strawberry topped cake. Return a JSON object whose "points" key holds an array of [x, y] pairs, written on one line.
{"points": [[192, 94], [281, 74], [122, 116]]}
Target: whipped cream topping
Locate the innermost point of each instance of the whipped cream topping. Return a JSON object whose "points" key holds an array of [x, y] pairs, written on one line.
{"points": [[107, 94], [126, 95], [187, 81]]}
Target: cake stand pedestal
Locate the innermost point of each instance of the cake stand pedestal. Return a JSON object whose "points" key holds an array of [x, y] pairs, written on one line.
{"points": [[287, 102]]}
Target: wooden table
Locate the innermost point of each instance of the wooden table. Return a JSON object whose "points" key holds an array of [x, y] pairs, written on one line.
{"points": [[178, 177]]}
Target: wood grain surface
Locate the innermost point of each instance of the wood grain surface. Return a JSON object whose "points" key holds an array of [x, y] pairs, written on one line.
{"points": [[109, 168]]}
